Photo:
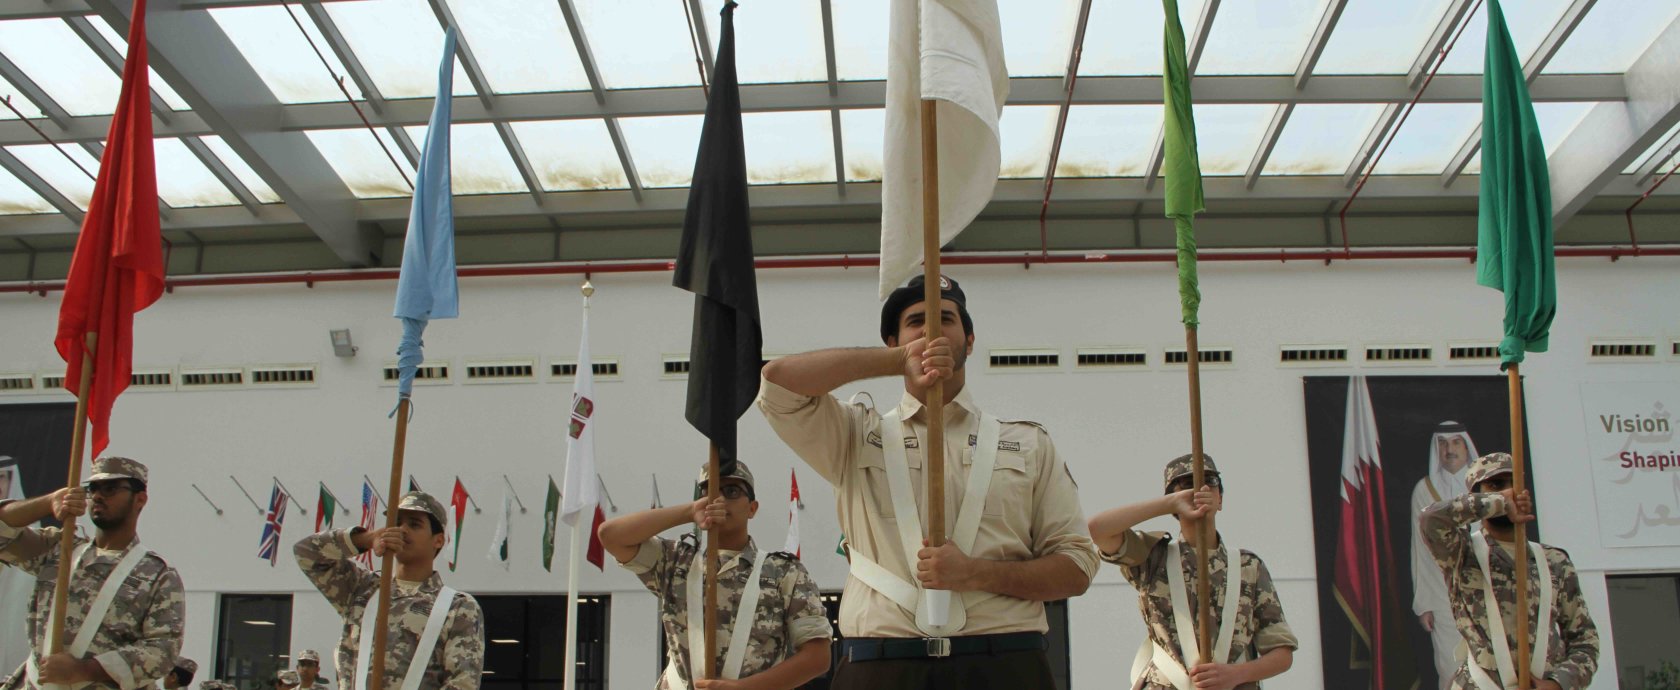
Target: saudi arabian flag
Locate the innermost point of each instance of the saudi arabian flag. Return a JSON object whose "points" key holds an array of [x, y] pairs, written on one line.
{"points": [[1514, 251], [551, 513], [1181, 165]]}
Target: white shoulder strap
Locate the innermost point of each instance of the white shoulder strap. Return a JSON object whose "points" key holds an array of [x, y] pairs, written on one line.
{"points": [[1233, 602], [1496, 621], [364, 645], [1189, 646], [428, 639], [96, 613], [741, 630], [696, 614]]}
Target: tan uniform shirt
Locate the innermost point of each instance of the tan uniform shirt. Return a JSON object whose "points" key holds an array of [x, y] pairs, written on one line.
{"points": [[1032, 507]]}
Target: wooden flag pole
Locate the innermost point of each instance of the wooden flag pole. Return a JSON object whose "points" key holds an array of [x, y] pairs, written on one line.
{"points": [[1518, 485], [376, 671], [935, 404], [714, 490], [1204, 535], [67, 534]]}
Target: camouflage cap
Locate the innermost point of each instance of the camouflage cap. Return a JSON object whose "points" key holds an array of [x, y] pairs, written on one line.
{"points": [[1487, 467], [741, 472], [1183, 466], [309, 655], [290, 678], [423, 502], [188, 665], [112, 467], [212, 685]]}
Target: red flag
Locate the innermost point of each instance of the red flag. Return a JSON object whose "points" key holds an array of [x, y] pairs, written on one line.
{"points": [[458, 500], [1364, 572], [596, 554], [117, 269]]}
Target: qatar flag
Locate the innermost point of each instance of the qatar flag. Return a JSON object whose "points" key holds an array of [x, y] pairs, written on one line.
{"points": [[1365, 565]]}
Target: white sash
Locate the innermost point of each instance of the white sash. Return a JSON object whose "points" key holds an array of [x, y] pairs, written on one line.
{"points": [[908, 594], [96, 613], [739, 631], [1496, 622], [423, 649], [1189, 647]]}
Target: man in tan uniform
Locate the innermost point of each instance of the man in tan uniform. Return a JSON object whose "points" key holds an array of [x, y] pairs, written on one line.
{"points": [[135, 635], [1252, 640], [784, 637], [1018, 538]]}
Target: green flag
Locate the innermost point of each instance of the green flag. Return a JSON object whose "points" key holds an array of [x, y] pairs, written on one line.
{"points": [[1181, 165], [550, 513], [840, 547], [324, 507], [1514, 229]]}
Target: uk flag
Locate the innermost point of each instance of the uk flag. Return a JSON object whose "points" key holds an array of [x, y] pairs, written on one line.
{"points": [[270, 546]]}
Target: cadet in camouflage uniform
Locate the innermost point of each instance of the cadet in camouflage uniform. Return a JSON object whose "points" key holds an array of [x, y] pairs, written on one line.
{"points": [[287, 680], [309, 670], [181, 676], [1571, 655], [1261, 642], [139, 636], [456, 662], [789, 640]]}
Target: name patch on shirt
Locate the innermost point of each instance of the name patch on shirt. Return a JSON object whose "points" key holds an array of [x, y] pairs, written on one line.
{"points": [[1011, 446], [874, 439]]}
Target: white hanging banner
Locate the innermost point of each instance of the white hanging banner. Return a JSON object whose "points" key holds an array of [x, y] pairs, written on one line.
{"points": [[1634, 456]]}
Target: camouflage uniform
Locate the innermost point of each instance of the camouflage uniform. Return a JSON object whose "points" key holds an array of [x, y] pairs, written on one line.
{"points": [[312, 655], [457, 662], [790, 611], [1572, 656], [141, 635], [182, 664], [1142, 557]]}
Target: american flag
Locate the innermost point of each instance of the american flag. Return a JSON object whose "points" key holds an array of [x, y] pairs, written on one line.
{"points": [[270, 547], [370, 510]]}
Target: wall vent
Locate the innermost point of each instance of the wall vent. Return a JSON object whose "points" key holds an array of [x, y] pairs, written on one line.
{"points": [[1206, 355], [1024, 359], [433, 373], [1674, 348], [212, 378], [17, 383], [1400, 354], [603, 368], [1474, 352], [1312, 354], [502, 371], [676, 365], [155, 379], [276, 375], [1623, 349], [52, 382], [1110, 357]]}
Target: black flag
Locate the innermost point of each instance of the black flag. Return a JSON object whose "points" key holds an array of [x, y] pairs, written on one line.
{"points": [[715, 262]]}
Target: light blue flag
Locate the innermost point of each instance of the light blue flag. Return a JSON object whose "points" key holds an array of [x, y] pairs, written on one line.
{"points": [[426, 285]]}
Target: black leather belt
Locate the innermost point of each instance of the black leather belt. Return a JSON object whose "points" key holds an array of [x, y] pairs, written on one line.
{"points": [[885, 648]]}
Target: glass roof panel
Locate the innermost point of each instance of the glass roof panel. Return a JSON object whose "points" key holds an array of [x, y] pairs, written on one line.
{"points": [[16, 198], [399, 43], [1556, 120], [1613, 35], [1260, 37], [479, 161], [240, 169], [61, 64], [789, 147], [47, 162], [360, 162], [1321, 139], [1038, 36], [1429, 138], [11, 94], [1108, 140], [523, 46], [1227, 135], [863, 139], [1529, 22], [157, 83], [281, 55], [774, 41], [570, 155], [640, 43], [185, 181], [663, 148], [1027, 132], [860, 42], [1655, 150], [1380, 36], [1124, 37]]}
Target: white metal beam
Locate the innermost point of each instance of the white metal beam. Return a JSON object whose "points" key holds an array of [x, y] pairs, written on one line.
{"points": [[1320, 38]]}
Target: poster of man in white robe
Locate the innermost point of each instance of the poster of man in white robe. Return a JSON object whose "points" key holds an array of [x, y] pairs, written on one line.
{"points": [[1450, 452]]}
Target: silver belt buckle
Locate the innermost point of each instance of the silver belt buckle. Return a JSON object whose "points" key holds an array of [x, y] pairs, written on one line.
{"points": [[938, 647]]}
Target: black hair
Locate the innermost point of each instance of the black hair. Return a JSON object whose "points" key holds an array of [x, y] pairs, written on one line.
{"points": [[437, 527], [183, 676]]}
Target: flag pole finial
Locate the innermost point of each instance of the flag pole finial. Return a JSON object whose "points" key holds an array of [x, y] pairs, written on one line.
{"points": [[588, 288]]}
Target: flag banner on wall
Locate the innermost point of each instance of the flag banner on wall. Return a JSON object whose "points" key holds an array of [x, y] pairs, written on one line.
{"points": [[325, 506], [458, 501], [269, 547], [370, 516], [551, 514], [499, 543], [792, 545]]}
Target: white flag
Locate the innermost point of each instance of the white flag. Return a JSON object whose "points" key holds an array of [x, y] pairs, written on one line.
{"points": [[950, 51], [499, 545], [16, 587], [582, 490], [792, 545]]}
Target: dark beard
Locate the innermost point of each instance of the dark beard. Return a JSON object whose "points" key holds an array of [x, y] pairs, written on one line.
{"points": [[1502, 522], [108, 522]]}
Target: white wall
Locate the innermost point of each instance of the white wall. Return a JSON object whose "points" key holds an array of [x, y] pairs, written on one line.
{"points": [[1114, 428]]}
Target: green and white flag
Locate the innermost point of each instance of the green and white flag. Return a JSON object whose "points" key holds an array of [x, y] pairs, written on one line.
{"points": [[1181, 164], [551, 513], [499, 545]]}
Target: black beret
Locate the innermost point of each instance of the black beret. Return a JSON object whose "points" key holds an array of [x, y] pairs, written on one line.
{"points": [[913, 293]]}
